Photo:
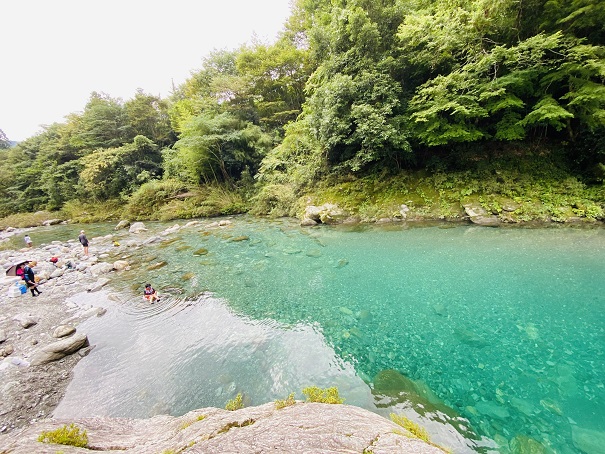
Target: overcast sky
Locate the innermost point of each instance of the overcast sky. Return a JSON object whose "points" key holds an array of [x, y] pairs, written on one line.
{"points": [[54, 53]]}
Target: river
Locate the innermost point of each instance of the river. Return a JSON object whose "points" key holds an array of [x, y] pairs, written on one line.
{"points": [[488, 337]]}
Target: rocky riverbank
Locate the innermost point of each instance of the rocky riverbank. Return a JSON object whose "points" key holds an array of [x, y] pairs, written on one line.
{"points": [[39, 341]]}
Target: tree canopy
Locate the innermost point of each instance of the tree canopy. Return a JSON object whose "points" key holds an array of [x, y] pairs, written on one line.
{"points": [[349, 86]]}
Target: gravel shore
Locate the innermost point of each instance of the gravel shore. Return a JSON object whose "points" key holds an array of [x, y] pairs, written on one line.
{"points": [[28, 324]]}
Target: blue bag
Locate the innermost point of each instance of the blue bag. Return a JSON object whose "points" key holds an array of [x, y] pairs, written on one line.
{"points": [[23, 289]]}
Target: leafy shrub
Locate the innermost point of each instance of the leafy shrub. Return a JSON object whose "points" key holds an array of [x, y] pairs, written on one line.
{"points": [[279, 404], [66, 435], [236, 403], [92, 212], [275, 200], [325, 396], [151, 196], [22, 220]]}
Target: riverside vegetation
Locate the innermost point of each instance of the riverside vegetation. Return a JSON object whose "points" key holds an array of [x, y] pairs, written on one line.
{"points": [[361, 104]]}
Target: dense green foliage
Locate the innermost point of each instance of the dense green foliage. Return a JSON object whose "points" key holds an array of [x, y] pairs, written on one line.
{"points": [[449, 98]]}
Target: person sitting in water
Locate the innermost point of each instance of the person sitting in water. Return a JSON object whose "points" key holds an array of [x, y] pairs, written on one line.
{"points": [[150, 294]]}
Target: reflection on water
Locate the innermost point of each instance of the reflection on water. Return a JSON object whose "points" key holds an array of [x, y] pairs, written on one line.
{"points": [[179, 355], [497, 331]]}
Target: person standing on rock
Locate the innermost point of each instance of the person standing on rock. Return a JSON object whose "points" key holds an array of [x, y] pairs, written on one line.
{"points": [[84, 241], [30, 280], [28, 241]]}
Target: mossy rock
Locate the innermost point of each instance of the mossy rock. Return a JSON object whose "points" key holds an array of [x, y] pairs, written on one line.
{"points": [[200, 252]]}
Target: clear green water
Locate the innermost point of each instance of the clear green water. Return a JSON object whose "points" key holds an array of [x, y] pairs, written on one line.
{"points": [[500, 331]]}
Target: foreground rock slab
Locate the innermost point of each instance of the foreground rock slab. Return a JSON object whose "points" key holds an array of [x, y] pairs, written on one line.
{"points": [[300, 428]]}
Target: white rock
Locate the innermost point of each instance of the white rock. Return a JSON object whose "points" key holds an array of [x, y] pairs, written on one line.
{"points": [[101, 282], [101, 268], [137, 227], [120, 265]]}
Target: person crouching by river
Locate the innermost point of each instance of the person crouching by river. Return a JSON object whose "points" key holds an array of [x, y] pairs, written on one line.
{"points": [[30, 280], [150, 294], [83, 241]]}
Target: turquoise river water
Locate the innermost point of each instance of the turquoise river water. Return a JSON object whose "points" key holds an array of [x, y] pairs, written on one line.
{"points": [[492, 338]]}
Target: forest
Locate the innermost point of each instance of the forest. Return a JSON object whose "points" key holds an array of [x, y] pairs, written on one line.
{"points": [[369, 104]]}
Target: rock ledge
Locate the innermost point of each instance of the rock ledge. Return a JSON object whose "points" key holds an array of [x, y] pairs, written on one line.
{"points": [[301, 428]]}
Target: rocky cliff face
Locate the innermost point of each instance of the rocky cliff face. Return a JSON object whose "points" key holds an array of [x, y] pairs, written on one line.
{"points": [[300, 428]]}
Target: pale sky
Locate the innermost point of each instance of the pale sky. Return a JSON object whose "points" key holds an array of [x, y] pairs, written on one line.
{"points": [[54, 53]]}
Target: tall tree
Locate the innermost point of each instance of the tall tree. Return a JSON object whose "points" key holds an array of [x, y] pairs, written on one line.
{"points": [[147, 115], [4, 142]]}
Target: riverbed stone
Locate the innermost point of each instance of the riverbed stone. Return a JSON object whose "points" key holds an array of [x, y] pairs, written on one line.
{"points": [[157, 265], [328, 213], [57, 273], [63, 331], [6, 350], [25, 320], [122, 224], [51, 222], [92, 312], [137, 227], [478, 215], [168, 231], [588, 441], [120, 265], [60, 349], [3, 336], [101, 268]]}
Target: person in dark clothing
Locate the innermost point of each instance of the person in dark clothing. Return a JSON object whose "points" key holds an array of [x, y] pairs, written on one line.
{"points": [[84, 241], [30, 280]]}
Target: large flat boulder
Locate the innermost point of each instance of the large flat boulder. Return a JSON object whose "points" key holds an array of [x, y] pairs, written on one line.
{"points": [[300, 428]]}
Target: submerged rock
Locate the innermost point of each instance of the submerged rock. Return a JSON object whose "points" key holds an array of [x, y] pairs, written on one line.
{"points": [[522, 444], [492, 409], [342, 263], [201, 251], [587, 440], [470, 338], [157, 266]]}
